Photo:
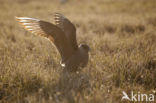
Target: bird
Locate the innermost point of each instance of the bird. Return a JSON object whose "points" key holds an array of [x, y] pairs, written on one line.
{"points": [[62, 34]]}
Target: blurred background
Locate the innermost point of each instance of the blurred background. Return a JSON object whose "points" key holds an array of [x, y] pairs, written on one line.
{"points": [[122, 37]]}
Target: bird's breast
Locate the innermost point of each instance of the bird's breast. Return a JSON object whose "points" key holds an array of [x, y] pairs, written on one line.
{"points": [[78, 59]]}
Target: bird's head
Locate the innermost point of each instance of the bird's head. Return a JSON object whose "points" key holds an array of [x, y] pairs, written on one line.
{"points": [[84, 47]]}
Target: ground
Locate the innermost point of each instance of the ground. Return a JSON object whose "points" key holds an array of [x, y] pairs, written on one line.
{"points": [[120, 33]]}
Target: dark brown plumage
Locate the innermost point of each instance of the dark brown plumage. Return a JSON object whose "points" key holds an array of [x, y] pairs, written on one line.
{"points": [[63, 35]]}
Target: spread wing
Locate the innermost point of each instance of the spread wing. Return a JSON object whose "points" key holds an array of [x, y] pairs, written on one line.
{"points": [[68, 28], [50, 31]]}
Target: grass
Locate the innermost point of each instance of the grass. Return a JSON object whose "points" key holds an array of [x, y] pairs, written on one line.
{"points": [[122, 38]]}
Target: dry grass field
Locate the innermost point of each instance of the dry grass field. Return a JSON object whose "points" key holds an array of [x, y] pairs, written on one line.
{"points": [[120, 33]]}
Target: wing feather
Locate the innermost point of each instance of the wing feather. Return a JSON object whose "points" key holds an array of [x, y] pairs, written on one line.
{"points": [[50, 31], [68, 28]]}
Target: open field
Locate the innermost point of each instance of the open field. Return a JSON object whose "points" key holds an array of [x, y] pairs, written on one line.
{"points": [[120, 33]]}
